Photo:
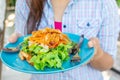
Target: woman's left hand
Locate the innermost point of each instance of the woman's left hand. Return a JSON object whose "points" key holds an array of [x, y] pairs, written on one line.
{"points": [[94, 42], [101, 61]]}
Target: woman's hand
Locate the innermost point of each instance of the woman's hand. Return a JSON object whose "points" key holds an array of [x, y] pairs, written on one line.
{"points": [[13, 38], [101, 60], [94, 42]]}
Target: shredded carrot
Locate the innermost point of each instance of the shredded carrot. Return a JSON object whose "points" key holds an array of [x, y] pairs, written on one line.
{"points": [[50, 37]]}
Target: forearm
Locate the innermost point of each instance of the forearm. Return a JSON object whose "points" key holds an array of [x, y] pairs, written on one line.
{"points": [[104, 62]]}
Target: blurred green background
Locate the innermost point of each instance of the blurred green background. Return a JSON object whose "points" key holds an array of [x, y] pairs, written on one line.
{"points": [[118, 2], [11, 3]]}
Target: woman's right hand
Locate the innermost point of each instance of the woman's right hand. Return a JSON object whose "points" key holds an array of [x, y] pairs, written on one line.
{"points": [[13, 38]]}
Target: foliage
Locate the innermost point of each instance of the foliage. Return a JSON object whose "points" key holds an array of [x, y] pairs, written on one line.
{"points": [[118, 2], [11, 3]]}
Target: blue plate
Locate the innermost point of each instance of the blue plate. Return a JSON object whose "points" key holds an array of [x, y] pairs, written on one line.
{"points": [[13, 61]]}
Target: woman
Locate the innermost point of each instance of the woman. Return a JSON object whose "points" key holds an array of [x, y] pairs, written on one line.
{"points": [[96, 19]]}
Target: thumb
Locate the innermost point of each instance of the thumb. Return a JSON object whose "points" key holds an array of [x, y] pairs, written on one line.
{"points": [[91, 44], [13, 38]]}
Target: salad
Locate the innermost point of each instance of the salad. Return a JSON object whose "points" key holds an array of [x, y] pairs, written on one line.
{"points": [[46, 48]]}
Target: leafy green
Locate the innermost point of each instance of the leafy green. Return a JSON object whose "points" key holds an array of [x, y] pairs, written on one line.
{"points": [[25, 45], [43, 57]]}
